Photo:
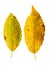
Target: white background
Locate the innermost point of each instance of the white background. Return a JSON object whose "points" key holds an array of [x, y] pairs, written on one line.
{"points": [[22, 9]]}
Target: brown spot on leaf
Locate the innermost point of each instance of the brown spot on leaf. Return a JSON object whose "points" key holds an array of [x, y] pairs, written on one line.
{"points": [[5, 37], [14, 17], [27, 29], [43, 26]]}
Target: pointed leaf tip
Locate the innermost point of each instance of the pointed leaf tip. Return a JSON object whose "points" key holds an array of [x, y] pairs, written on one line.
{"points": [[32, 7], [34, 11]]}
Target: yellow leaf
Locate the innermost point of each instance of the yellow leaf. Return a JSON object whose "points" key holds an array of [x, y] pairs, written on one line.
{"points": [[12, 32], [34, 31]]}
